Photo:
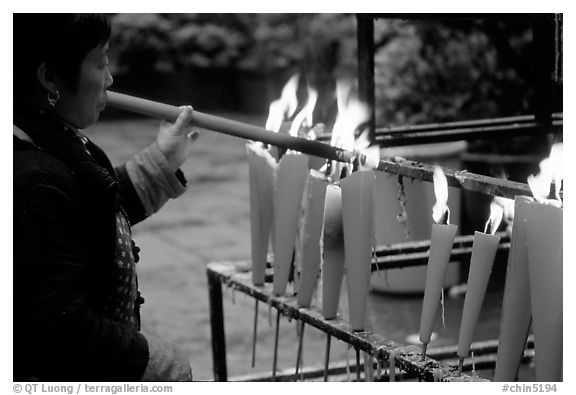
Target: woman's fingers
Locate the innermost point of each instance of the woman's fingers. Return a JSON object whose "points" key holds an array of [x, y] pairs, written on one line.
{"points": [[183, 120]]}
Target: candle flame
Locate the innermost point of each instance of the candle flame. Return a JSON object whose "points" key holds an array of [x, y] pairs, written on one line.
{"points": [[285, 106], [550, 171], [508, 208], [371, 153], [304, 117], [496, 213], [441, 193], [351, 114]]}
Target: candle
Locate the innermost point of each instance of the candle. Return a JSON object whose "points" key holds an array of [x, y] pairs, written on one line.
{"points": [[310, 229], [333, 252], [261, 175], [544, 241], [544, 244], [291, 177], [358, 220], [516, 314], [441, 241], [484, 249]]}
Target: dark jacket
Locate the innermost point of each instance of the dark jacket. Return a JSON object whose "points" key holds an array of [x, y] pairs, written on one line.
{"points": [[64, 240]]}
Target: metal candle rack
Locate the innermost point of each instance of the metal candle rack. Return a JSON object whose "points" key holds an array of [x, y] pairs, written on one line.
{"points": [[408, 358], [405, 358]]}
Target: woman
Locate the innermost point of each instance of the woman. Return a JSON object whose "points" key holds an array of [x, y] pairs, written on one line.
{"points": [[76, 304]]}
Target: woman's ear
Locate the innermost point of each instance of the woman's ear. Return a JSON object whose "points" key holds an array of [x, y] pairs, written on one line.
{"points": [[47, 78]]}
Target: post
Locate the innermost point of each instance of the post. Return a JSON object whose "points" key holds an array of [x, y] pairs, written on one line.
{"points": [[217, 327], [365, 38]]}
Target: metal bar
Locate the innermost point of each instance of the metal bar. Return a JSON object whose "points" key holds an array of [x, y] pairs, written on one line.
{"points": [[217, 327], [456, 178], [407, 358], [366, 86], [421, 258], [544, 59], [424, 245], [459, 130], [486, 350], [389, 139]]}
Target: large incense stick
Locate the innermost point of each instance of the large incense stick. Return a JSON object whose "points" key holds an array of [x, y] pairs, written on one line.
{"points": [[227, 126]]}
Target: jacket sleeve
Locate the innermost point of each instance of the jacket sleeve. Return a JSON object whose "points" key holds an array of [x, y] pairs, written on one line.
{"points": [[146, 183], [58, 334]]}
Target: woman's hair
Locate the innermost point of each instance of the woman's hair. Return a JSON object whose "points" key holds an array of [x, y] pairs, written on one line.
{"points": [[59, 40]]}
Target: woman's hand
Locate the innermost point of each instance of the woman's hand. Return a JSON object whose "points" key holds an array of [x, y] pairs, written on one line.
{"points": [[175, 139]]}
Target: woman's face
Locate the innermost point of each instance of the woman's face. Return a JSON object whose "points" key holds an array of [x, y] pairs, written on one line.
{"points": [[81, 108]]}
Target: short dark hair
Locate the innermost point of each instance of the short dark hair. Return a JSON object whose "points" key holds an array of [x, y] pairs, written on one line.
{"points": [[60, 40]]}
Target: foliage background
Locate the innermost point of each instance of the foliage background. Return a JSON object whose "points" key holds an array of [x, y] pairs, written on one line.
{"points": [[426, 71]]}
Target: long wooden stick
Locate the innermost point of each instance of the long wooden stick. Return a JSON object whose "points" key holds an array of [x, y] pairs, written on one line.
{"points": [[233, 128]]}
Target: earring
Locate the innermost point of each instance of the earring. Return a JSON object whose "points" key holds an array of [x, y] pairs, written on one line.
{"points": [[52, 100]]}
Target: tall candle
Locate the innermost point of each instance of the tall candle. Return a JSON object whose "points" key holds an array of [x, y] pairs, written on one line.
{"points": [[332, 252], [484, 249], [291, 177], [516, 314], [544, 241], [441, 241], [358, 220], [309, 233], [261, 174]]}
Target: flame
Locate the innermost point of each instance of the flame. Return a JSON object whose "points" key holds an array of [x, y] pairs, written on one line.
{"points": [[372, 154], [304, 117], [441, 194], [496, 213], [550, 171], [507, 207], [285, 106], [351, 114]]}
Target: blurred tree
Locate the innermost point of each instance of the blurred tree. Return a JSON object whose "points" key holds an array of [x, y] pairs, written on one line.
{"points": [[426, 71]]}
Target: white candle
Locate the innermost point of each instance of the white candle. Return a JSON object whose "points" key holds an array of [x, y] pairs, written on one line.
{"points": [[516, 314], [484, 249], [358, 219], [261, 174], [291, 177], [333, 252], [309, 233], [441, 243], [544, 241]]}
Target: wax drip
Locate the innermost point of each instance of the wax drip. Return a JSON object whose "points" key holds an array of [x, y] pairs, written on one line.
{"points": [[473, 365], [378, 369], [442, 302], [403, 216]]}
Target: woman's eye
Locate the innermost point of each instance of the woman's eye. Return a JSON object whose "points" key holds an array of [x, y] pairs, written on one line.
{"points": [[104, 63]]}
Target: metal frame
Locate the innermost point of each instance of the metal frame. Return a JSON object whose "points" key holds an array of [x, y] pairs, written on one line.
{"points": [[407, 358]]}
